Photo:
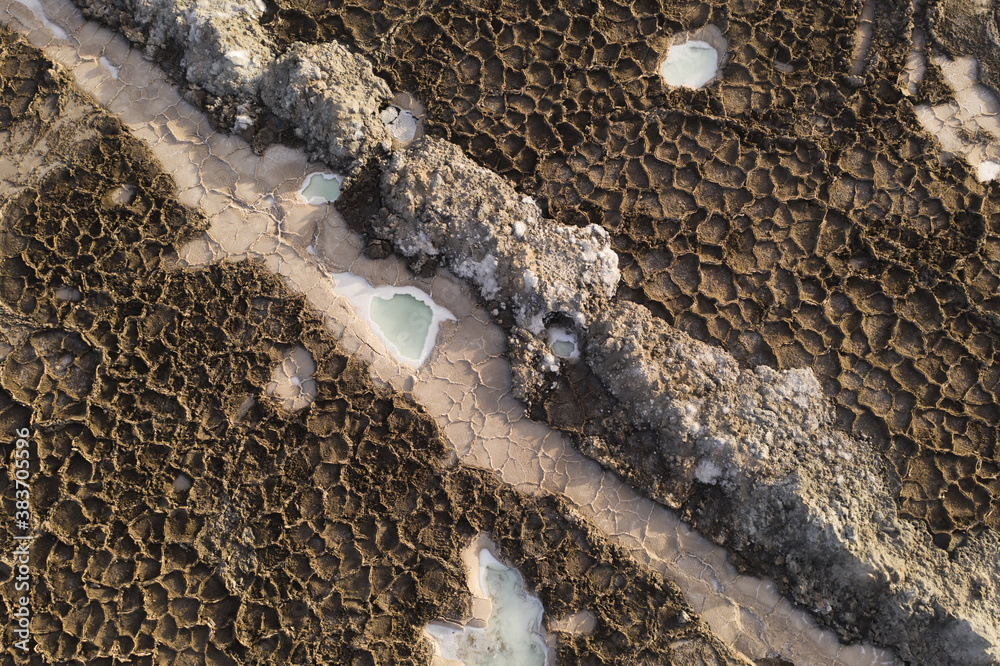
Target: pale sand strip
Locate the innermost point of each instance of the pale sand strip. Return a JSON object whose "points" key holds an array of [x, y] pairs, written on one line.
{"points": [[863, 38], [465, 385], [969, 125]]}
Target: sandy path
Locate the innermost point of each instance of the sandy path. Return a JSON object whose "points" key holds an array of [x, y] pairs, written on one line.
{"points": [[252, 203]]}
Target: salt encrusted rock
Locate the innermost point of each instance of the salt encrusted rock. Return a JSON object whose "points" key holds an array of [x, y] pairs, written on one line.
{"points": [[330, 95], [333, 98], [439, 204], [734, 423], [225, 49], [793, 488]]}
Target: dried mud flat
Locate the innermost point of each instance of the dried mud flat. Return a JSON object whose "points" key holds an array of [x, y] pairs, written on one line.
{"points": [[178, 527], [748, 612], [69, 352], [793, 214]]}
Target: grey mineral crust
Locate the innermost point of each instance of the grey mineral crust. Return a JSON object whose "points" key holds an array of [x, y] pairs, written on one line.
{"points": [[330, 95], [227, 49], [322, 86], [440, 205], [794, 489], [784, 486], [224, 49]]}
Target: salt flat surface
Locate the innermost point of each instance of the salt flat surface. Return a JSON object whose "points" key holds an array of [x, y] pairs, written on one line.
{"points": [[505, 630], [255, 212], [969, 125], [693, 59], [36, 8], [320, 187]]}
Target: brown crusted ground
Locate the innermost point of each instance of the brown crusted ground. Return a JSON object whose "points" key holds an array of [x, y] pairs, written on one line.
{"points": [[961, 27], [798, 220], [331, 536]]}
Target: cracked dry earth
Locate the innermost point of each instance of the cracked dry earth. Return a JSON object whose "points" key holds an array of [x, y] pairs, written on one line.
{"points": [[331, 536], [795, 213], [157, 281]]}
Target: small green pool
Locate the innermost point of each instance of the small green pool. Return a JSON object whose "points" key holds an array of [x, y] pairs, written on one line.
{"points": [[321, 188], [405, 321]]}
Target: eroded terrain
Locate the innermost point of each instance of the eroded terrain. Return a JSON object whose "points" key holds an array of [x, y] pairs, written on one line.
{"points": [[249, 221], [791, 212], [177, 525]]}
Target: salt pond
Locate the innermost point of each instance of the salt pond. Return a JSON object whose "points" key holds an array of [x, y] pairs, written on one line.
{"points": [[563, 343], [690, 65], [405, 319], [512, 635], [320, 187]]}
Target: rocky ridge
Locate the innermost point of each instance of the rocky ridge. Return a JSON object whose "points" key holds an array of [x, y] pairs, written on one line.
{"points": [[755, 440]]}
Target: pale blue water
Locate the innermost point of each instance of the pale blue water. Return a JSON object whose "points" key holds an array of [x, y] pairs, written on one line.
{"points": [[404, 321]]}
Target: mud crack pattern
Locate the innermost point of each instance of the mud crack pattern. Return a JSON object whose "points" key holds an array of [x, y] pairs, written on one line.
{"points": [[792, 213], [176, 523]]}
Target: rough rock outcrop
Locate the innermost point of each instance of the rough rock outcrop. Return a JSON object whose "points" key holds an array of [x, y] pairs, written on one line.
{"points": [[440, 205], [317, 88], [330, 96], [787, 490]]}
